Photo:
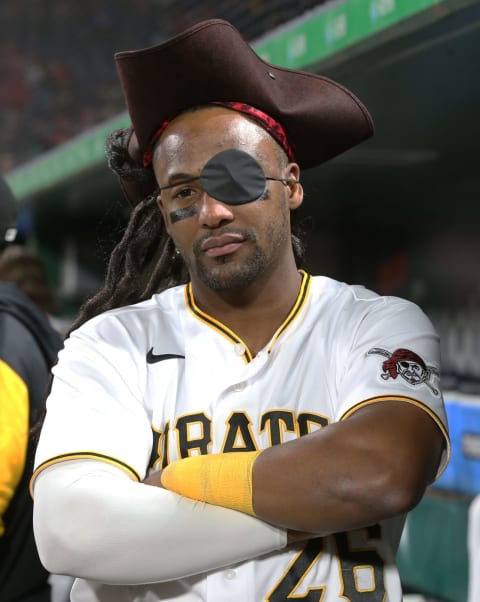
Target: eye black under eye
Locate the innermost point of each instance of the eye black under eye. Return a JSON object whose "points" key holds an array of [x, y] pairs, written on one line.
{"points": [[184, 213]]}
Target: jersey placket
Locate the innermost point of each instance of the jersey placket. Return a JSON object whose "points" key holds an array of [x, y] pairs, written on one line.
{"points": [[234, 583]]}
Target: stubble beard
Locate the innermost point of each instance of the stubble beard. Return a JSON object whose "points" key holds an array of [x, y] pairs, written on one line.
{"points": [[229, 273]]}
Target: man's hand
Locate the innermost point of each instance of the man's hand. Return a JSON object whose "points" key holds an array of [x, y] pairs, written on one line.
{"points": [[154, 479], [296, 536]]}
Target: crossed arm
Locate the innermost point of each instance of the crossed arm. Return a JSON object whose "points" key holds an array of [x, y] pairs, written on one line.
{"points": [[374, 465]]}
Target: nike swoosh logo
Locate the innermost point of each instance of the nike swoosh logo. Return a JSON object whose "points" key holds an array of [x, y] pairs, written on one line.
{"points": [[153, 358]]}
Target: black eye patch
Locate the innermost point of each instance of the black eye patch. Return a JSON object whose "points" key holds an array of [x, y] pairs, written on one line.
{"points": [[233, 177]]}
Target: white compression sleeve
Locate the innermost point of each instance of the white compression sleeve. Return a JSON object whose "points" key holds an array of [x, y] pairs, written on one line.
{"points": [[92, 521]]}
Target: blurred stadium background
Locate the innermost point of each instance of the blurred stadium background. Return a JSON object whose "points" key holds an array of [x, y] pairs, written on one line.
{"points": [[399, 214]]}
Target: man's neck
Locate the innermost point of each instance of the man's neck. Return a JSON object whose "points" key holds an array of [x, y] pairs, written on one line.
{"points": [[253, 313]]}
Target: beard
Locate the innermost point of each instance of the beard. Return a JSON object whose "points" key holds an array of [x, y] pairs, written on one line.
{"points": [[229, 272]]}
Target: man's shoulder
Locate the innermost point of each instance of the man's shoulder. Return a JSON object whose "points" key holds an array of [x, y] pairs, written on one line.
{"points": [[355, 299], [162, 308], [325, 288]]}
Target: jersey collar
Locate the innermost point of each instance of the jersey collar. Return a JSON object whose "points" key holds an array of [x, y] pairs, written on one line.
{"points": [[230, 334]]}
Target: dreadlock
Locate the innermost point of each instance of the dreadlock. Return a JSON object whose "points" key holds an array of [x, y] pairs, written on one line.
{"points": [[144, 262]]}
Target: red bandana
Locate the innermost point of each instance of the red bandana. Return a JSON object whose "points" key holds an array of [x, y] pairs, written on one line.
{"points": [[273, 127]]}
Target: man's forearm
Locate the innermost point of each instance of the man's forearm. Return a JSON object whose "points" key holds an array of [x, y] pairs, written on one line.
{"points": [[169, 537]]}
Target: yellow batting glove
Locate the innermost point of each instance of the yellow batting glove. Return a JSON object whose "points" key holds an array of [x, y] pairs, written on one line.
{"points": [[219, 479]]}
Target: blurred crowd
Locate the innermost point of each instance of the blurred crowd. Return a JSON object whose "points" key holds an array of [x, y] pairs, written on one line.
{"points": [[57, 74]]}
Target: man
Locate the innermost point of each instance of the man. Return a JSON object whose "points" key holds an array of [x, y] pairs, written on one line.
{"points": [[254, 433], [28, 349]]}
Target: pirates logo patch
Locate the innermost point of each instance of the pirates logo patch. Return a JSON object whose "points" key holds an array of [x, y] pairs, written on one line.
{"points": [[408, 365]]}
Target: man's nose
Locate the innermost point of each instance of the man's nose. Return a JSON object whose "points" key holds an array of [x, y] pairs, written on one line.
{"points": [[213, 212]]}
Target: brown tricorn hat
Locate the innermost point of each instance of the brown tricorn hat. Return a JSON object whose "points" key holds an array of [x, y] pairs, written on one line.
{"points": [[212, 62]]}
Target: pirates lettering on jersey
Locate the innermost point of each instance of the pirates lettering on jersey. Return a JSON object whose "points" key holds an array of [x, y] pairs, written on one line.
{"points": [[239, 436], [159, 456], [275, 422], [192, 433]]}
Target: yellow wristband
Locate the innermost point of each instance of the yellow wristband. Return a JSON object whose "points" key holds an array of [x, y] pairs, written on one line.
{"points": [[219, 479]]}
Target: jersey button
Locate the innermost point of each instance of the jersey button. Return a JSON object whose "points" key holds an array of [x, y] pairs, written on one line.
{"points": [[239, 349], [230, 574]]}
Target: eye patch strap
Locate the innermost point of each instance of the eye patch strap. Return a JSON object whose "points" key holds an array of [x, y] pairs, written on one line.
{"points": [[283, 180], [233, 177]]}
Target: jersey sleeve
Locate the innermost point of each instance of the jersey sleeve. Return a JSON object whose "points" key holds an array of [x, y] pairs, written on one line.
{"points": [[393, 354], [13, 434], [95, 409]]}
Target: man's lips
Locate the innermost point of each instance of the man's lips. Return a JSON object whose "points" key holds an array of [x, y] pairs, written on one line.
{"points": [[222, 245]]}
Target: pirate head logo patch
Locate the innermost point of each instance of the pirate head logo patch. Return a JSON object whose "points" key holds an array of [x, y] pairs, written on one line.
{"points": [[408, 365]]}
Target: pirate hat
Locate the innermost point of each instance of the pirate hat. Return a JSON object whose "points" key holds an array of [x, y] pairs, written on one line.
{"points": [[212, 62], [8, 214]]}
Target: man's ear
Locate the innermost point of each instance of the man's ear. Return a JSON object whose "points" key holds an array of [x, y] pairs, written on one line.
{"points": [[295, 198]]}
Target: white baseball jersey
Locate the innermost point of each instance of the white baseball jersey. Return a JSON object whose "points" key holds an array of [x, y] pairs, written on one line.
{"points": [[146, 384]]}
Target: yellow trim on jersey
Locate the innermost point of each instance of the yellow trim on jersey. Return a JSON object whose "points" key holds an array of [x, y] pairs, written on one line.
{"points": [[299, 303], [414, 402], [218, 326], [14, 410], [83, 456], [234, 338]]}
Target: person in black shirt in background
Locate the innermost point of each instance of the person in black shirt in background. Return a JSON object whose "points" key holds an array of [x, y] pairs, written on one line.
{"points": [[28, 349]]}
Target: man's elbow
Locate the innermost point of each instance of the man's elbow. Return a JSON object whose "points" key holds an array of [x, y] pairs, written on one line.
{"points": [[400, 491], [59, 543], [402, 499], [63, 526]]}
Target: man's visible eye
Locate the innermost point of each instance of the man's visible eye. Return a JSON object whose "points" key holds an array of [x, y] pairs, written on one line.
{"points": [[181, 196], [183, 193]]}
